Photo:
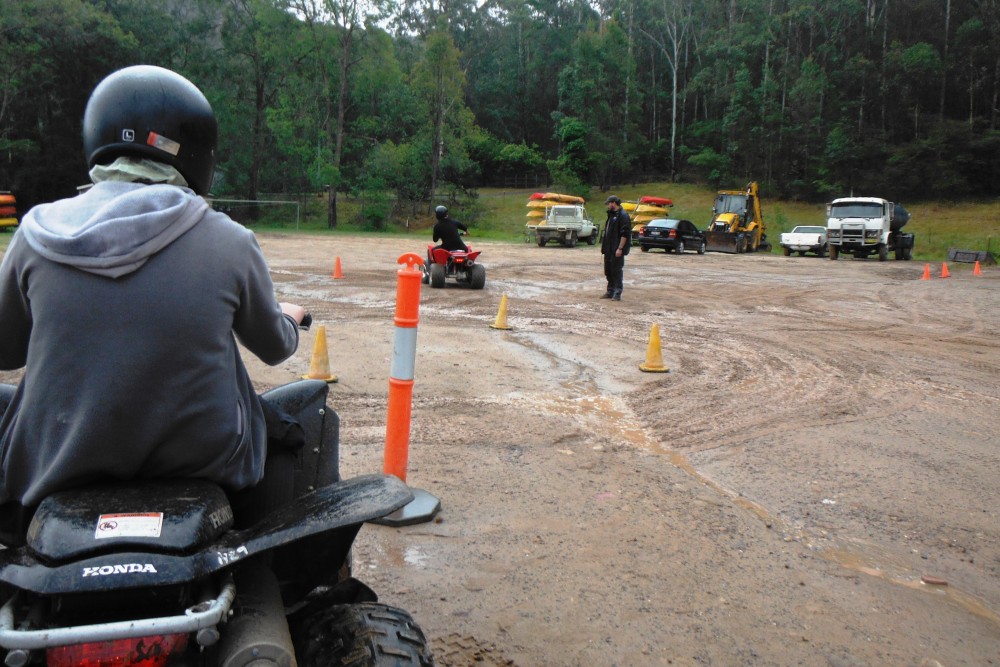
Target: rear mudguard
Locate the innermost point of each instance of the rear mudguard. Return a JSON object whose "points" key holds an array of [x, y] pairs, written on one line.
{"points": [[337, 506], [318, 462]]}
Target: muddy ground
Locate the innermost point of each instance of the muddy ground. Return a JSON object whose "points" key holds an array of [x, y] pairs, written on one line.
{"points": [[824, 444]]}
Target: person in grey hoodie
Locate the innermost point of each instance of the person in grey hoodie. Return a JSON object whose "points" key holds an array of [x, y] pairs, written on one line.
{"points": [[124, 306]]}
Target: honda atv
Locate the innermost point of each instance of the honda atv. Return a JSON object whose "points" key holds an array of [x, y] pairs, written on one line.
{"points": [[154, 573], [461, 265]]}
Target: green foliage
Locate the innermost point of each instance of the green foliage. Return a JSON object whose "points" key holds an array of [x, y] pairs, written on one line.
{"points": [[375, 210], [713, 163], [812, 99], [52, 54]]}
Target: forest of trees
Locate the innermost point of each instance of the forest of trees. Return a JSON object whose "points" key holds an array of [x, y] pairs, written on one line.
{"points": [[399, 100]]}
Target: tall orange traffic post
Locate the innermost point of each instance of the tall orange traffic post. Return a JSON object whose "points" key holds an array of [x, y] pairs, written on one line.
{"points": [[424, 506]]}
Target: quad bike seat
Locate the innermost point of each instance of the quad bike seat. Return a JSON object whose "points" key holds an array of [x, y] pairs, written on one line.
{"points": [[169, 515]]}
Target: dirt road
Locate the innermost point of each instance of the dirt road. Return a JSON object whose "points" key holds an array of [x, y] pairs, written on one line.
{"points": [[826, 440], [827, 437]]}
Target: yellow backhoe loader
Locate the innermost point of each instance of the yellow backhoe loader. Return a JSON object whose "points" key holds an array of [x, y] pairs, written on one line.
{"points": [[737, 224]]}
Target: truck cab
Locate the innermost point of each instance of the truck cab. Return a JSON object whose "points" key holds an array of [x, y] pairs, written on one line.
{"points": [[864, 226]]}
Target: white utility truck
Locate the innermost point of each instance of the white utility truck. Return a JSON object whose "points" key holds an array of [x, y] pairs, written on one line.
{"points": [[865, 226], [803, 239], [566, 223]]}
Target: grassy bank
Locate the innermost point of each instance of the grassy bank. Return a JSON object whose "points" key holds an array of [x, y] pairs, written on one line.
{"points": [[500, 215]]}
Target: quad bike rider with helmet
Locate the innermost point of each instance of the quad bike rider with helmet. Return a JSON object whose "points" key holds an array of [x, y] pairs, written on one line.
{"points": [[452, 258], [138, 291], [167, 517], [446, 230]]}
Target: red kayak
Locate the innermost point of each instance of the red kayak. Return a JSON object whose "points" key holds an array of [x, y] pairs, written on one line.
{"points": [[659, 201]]}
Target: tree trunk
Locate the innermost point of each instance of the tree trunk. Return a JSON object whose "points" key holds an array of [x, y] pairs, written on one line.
{"points": [[346, 47], [996, 95], [944, 58]]}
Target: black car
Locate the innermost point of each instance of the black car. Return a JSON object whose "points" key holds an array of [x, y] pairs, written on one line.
{"points": [[670, 234]]}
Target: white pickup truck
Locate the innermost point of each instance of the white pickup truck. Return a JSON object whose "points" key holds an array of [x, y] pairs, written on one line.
{"points": [[803, 239], [566, 223]]}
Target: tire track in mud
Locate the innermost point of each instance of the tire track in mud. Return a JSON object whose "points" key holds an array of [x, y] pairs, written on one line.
{"points": [[780, 363], [739, 363]]}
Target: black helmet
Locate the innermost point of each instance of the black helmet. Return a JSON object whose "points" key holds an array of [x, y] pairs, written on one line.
{"points": [[441, 212], [152, 112]]}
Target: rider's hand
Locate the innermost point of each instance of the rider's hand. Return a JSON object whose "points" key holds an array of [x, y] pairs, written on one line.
{"points": [[297, 313]]}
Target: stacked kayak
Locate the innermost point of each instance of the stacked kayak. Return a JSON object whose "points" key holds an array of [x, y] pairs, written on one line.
{"points": [[646, 209], [540, 202], [649, 208], [8, 210]]}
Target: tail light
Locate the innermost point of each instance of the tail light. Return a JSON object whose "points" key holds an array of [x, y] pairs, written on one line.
{"points": [[642, 231], [673, 233], [152, 651]]}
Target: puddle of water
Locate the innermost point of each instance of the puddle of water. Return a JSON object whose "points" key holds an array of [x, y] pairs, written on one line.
{"points": [[410, 555], [414, 556]]}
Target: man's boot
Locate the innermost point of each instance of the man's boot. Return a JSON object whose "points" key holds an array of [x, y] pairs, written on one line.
{"points": [[617, 296], [607, 295]]}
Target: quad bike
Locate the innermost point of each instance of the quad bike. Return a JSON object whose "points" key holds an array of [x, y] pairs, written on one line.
{"points": [[458, 264], [153, 573]]}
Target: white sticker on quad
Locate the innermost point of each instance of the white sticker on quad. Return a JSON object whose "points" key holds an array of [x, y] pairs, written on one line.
{"points": [[142, 524]]}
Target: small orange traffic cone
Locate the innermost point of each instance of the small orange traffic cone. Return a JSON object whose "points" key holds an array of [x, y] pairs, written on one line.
{"points": [[976, 271], [944, 270], [927, 272], [501, 321], [319, 365], [654, 358], [337, 273]]}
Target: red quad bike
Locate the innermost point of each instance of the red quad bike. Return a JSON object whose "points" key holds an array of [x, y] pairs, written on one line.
{"points": [[153, 573], [458, 264]]}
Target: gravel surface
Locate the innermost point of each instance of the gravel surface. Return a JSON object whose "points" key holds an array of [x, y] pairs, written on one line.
{"points": [[815, 481]]}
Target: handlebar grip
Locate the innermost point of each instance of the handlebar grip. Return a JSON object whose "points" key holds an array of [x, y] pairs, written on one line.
{"points": [[306, 322]]}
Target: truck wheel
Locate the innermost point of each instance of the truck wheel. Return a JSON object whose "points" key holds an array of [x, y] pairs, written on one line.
{"points": [[592, 239], [437, 275], [571, 241], [368, 634], [834, 252], [883, 252], [821, 252], [680, 248], [701, 248], [802, 253], [787, 252], [644, 248], [542, 241], [477, 276]]}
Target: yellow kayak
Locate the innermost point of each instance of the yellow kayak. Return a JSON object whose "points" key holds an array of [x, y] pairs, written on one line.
{"points": [[563, 199]]}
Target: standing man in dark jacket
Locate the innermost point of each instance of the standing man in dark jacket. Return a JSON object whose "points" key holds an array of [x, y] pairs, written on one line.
{"points": [[617, 241]]}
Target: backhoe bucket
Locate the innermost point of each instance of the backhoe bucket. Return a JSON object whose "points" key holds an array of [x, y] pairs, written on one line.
{"points": [[721, 242]]}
